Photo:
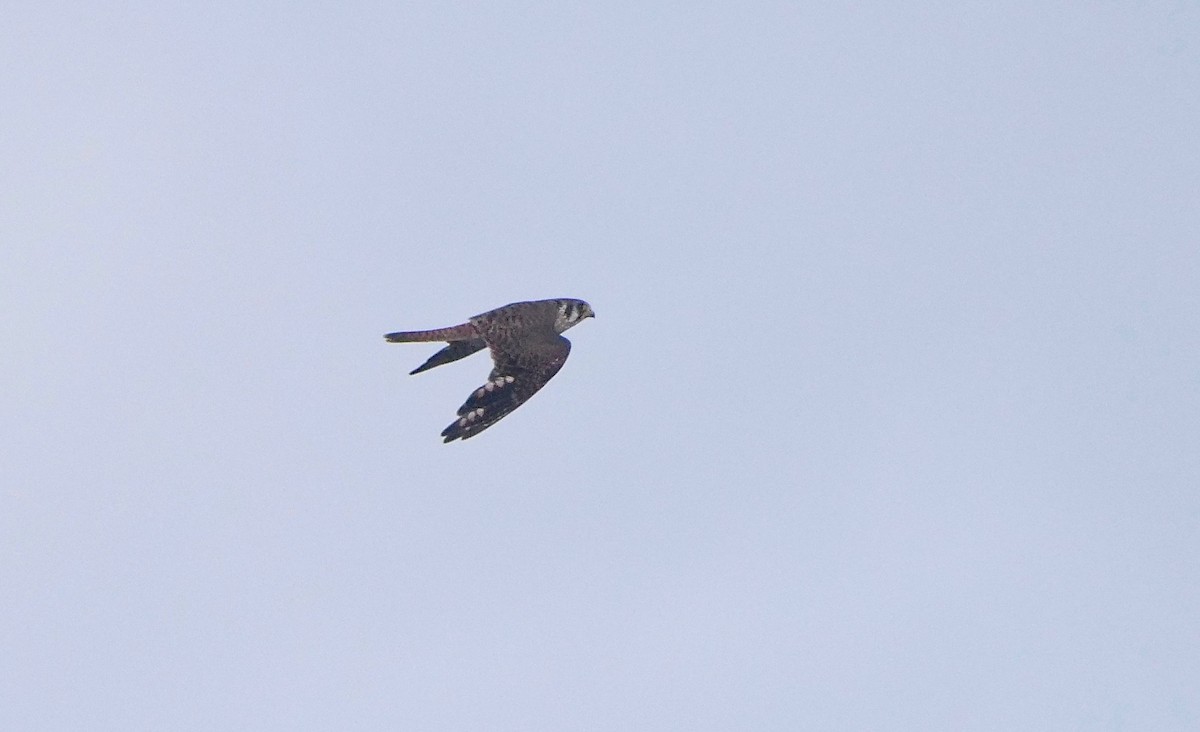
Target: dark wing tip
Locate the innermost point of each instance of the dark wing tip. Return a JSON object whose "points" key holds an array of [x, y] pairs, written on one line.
{"points": [[452, 433]]}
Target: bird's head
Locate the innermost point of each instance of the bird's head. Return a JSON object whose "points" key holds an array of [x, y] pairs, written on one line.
{"points": [[571, 312]]}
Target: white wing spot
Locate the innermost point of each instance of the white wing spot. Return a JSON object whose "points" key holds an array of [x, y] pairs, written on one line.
{"points": [[493, 385], [470, 416]]}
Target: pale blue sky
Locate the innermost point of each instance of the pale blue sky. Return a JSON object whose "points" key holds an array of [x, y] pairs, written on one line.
{"points": [[889, 418]]}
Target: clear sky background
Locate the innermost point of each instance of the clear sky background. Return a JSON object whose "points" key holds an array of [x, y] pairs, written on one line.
{"points": [[889, 418]]}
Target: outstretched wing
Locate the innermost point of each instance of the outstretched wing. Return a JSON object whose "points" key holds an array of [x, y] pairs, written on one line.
{"points": [[521, 370], [464, 340], [452, 352]]}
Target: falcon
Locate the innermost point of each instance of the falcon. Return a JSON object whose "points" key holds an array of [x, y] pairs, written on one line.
{"points": [[528, 349]]}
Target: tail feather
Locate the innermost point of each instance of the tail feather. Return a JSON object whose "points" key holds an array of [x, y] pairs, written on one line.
{"points": [[466, 331]]}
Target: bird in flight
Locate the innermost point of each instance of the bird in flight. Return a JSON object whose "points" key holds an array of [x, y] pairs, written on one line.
{"points": [[527, 347]]}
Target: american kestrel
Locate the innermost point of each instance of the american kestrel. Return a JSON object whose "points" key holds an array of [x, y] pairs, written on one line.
{"points": [[527, 347]]}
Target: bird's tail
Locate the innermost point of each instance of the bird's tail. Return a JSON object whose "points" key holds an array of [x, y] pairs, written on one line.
{"points": [[466, 331]]}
